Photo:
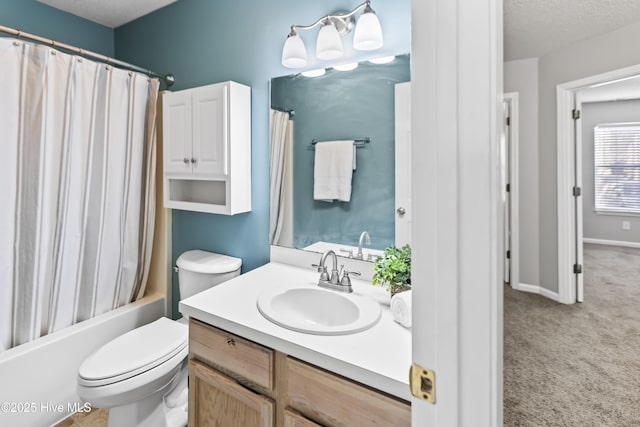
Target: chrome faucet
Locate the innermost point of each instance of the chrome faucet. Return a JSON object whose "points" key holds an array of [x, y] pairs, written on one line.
{"points": [[334, 281], [322, 268], [364, 237]]}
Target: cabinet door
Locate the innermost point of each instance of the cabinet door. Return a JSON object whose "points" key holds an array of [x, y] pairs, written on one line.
{"points": [[338, 402], [177, 132], [210, 130], [293, 419], [216, 400]]}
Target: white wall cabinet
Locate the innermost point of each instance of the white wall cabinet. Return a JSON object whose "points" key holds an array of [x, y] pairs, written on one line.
{"points": [[207, 148]]}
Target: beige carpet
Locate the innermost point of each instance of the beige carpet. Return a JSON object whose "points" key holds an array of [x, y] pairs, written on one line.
{"points": [[577, 365]]}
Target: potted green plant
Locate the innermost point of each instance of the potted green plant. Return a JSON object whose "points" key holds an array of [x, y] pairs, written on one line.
{"points": [[393, 269]]}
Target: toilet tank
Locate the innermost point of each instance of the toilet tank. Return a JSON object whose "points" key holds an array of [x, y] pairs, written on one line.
{"points": [[200, 270]]}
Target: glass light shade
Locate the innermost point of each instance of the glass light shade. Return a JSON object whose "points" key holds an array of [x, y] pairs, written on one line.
{"points": [[347, 67], [314, 73], [294, 53], [368, 33], [329, 44], [382, 60]]}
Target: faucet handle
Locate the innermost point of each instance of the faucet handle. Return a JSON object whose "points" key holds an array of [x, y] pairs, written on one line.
{"points": [[346, 280], [324, 275], [348, 251]]}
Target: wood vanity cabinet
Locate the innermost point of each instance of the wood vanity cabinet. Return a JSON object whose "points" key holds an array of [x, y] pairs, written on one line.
{"points": [[236, 382]]}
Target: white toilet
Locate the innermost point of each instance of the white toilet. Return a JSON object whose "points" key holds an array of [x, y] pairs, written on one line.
{"points": [[141, 376]]}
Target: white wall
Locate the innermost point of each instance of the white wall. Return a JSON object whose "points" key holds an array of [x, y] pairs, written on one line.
{"points": [[607, 52], [604, 226], [522, 76]]}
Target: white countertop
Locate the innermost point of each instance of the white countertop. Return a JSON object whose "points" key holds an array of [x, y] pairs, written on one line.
{"points": [[379, 356]]}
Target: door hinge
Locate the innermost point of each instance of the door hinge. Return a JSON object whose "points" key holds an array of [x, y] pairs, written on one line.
{"points": [[508, 188], [422, 382], [577, 191], [508, 121], [577, 268], [575, 114], [508, 254]]}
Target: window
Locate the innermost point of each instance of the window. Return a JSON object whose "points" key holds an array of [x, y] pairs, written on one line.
{"points": [[617, 167]]}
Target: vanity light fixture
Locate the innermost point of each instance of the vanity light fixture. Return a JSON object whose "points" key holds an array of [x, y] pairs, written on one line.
{"points": [[367, 36]]}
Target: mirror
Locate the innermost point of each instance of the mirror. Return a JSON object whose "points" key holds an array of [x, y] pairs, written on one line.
{"points": [[339, 105]]}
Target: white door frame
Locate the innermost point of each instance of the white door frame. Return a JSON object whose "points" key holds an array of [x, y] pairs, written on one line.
{"points": [[514, 193], [403, 208], [578, 230], [456, 69], [568, 231]]}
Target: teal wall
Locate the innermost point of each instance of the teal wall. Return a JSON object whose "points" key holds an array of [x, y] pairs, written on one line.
{"points": [[345, 105], [208, 41], [37, 18]]}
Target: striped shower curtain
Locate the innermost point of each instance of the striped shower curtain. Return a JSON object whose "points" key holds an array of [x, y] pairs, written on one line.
{"points": [[77, 185], [280, 171]]}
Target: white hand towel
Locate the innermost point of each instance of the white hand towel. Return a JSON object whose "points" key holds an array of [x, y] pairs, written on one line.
{"points": [[401, 308], [333, 170]]}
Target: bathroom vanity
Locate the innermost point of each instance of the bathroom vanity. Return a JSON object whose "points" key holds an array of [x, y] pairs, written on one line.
{"points": [[246, 370]]}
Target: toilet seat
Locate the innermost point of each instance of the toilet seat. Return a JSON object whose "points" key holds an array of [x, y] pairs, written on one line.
{"points": [[134, 353]]}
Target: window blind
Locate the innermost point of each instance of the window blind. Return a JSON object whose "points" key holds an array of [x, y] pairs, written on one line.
{"points": [[617, 167]]}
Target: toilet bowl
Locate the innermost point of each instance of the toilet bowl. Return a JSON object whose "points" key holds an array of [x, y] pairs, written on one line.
{"points": [[141, 376]]}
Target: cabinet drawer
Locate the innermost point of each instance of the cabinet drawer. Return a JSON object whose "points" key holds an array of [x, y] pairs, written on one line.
{"points": [[245, 361], [332, 400]]}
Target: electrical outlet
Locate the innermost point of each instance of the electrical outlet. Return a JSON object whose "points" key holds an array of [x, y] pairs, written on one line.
{"points": [[626, 225]]}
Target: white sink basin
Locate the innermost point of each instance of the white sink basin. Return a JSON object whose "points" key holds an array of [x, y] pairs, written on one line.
{"points": [[318, 311]]}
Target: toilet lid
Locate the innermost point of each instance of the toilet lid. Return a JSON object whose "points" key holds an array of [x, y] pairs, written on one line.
{"points": [[208, 262], [135, 352]]}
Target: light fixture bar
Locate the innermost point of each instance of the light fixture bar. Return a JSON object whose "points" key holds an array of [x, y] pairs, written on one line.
{"points": [[335, 16]]}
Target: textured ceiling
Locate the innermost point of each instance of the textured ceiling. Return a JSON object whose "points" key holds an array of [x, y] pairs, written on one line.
{"points": [[533, 28], [111, 13]]}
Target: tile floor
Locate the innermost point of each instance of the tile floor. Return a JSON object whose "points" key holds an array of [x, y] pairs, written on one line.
{"points": [[96, 418]]}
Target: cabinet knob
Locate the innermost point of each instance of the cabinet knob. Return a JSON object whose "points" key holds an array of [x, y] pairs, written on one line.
{"points": [[186, 161], [231, 342], [401, 211], [193, 160]]}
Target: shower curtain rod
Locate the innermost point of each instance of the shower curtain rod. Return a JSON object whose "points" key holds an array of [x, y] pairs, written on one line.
{"points": [[168, 79]]}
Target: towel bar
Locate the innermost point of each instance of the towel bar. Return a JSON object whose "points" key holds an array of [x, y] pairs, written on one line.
{"points": [[360, 142]]}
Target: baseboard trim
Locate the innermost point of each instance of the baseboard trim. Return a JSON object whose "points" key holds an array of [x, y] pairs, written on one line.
{"points": [[611, 243], [536, 289]]}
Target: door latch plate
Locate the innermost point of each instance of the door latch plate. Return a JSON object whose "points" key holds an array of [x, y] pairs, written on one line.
{"points": [[422, 382]]}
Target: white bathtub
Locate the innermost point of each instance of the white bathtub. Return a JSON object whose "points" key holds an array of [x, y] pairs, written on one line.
{"points": [[38, 379]]}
